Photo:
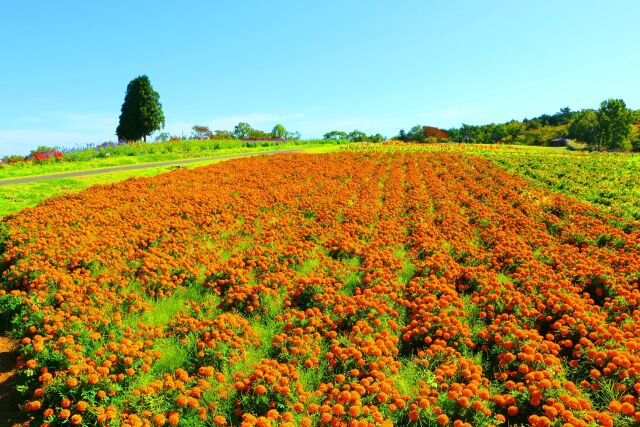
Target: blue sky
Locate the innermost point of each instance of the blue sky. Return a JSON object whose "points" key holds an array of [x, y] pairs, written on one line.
{"points": [[314, 66]]}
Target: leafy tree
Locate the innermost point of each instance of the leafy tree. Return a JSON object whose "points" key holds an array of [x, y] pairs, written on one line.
{"points": [[635, 138], [258, 134], [454, 134], [242, 130], [376, 138], [416, 134], [483, 133], [533, 124], [468, 133], [279, 132], [420, 133], [222, 134], [434, 134], [201, 132], [141, 112], [163, 137], [335, 135], [294, 136], [357, 136], [497, 132], [614, 124], [42, 149], [564, 116], [584, 127], [514, 129]]}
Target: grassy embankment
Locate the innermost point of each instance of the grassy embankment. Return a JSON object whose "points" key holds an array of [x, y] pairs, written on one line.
{"points": [[15, 197]]}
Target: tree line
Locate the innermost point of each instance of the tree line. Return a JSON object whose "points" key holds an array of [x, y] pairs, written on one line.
{"points": [[613, 127], [242, 130], [420, 133], [353, 136], [141, 115], [609, 127]]}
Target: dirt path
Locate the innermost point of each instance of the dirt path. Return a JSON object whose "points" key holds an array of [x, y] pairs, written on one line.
{"points": [[137, 166], [9, 396]]}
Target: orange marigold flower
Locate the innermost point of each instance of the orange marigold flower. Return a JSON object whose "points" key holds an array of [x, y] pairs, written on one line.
{"points": [[326, 417], [443, 419], [219, 420], [159, 419], [627, 408], [272, 414], [615, 406], [354, 411], [174, 419], [33, 405]]}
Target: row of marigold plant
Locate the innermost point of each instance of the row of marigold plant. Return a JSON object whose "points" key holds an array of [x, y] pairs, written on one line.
{"points": [[353, 289]]}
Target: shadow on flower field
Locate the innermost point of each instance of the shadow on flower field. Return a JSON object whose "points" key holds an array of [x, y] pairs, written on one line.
{"points": [[9, 396]]}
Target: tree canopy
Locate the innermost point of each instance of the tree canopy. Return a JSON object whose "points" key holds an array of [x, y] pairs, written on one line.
{"points": [[279, 132], [357, 136], [583, 127], [614, 125], [610, 127], [201, 132], [420, 133], [335, 135], [242, 130], [141, 112]]}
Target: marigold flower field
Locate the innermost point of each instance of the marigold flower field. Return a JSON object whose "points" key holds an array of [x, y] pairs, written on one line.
{"points": [[608, 181], [343, 289]]}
